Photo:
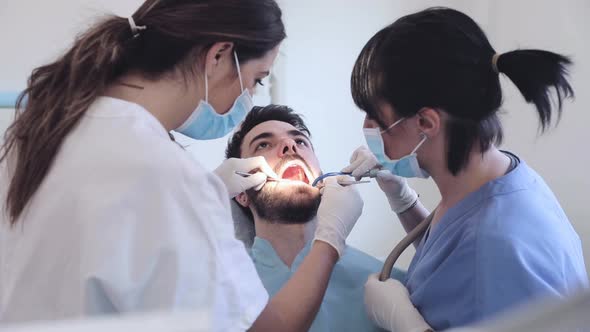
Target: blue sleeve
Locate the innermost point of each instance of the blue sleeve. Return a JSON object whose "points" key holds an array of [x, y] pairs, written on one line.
{"points": [[511, 270]]}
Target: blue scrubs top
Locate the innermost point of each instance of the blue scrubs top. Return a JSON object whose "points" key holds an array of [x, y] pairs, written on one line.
{"points": [[504, 244], [343, 307]]}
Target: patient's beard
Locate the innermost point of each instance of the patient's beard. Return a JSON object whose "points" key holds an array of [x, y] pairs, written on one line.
{"points": [[286, 203]]}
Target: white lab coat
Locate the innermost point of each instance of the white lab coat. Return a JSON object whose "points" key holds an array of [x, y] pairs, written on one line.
{"points": [[125, 221]]}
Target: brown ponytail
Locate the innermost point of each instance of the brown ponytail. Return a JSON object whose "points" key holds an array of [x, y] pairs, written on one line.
{"points": [[58, 94], [53, 103]]}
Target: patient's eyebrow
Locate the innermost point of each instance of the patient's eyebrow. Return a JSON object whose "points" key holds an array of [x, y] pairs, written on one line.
{"points": [[261, 136], [295, 132], [298, 133]]}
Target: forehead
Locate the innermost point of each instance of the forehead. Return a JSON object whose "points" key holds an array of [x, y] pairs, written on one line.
{"points": [[277, 128]]}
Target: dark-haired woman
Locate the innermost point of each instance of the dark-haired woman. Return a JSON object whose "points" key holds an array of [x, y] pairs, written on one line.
{"points": [[429, 84], [102, 213]]}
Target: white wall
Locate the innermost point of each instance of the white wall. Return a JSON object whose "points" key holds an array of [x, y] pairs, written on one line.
{"points": [[34, 32], [6, 117], [324, 38]]}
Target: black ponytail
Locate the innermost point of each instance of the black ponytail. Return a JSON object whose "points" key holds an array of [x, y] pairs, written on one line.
{"points": [[536, 73]]}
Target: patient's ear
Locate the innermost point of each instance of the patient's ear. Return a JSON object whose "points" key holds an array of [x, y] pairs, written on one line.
{"points": [[243, 200]]}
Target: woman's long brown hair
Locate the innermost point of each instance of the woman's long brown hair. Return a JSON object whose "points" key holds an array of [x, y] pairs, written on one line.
{"points": [[58, 94]]}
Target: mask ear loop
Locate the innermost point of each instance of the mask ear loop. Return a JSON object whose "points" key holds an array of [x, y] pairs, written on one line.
{"points": [[393, 125], [239, 76], [424, 138], [206, 86], [239, 71]]}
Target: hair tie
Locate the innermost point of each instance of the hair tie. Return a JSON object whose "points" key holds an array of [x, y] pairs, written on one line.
{"points": [[495, 62], [134, 28]]}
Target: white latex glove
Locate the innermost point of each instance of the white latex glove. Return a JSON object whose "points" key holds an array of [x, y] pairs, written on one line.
{"points": [[388, 304], [340, 208], [237, 184], [396, 188]]}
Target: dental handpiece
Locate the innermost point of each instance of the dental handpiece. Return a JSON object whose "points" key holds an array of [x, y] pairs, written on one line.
{"points": [[370, 174], [245, 174]]}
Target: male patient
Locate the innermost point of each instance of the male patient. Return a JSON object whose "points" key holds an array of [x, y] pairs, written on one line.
{"points": [[283, 213]]}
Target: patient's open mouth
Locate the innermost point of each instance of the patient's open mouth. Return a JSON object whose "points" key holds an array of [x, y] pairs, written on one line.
{"points": [[295, 172]]}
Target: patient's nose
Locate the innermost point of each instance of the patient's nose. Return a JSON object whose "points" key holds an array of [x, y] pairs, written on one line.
{"points": [[288, 147]]}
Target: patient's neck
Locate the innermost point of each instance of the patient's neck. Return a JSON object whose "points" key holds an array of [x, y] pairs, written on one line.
{"points": [[287, 239]]}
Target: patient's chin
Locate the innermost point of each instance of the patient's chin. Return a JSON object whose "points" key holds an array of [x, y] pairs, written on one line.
{"points": [[289, 203]]}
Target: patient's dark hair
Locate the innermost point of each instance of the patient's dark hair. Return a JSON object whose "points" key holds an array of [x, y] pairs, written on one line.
{"points": [[440, 58], [259, 115]]}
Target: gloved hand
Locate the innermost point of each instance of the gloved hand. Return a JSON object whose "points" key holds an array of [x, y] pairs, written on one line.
{"points": [[237, 184], [340, 208], [388, 304], [396, 188]]}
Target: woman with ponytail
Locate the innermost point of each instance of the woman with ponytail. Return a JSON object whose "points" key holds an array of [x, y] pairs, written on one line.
{"points": [[430, 87], [102, 213]]}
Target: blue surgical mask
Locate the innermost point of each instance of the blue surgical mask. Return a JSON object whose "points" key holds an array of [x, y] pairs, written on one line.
{"points": [[204, 123], [406, 166]]}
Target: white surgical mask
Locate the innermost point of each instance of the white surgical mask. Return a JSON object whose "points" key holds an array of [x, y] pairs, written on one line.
{"points": [[406, 166], [204, 123]]}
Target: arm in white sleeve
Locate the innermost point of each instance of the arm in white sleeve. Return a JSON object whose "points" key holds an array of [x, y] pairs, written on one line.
{"points": [[162, 239]]}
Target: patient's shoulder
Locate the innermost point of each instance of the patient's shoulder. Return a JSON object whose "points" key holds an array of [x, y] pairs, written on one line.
{"points": [[355, 259]]}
